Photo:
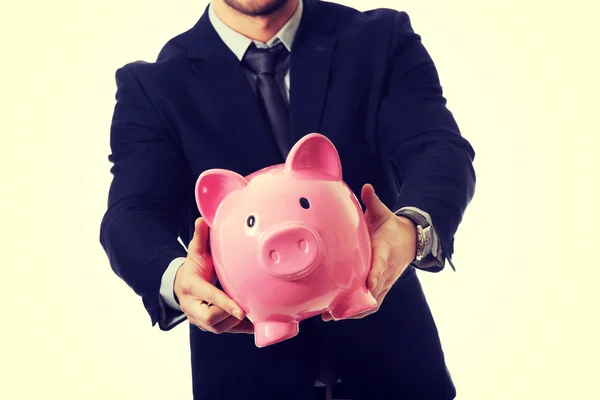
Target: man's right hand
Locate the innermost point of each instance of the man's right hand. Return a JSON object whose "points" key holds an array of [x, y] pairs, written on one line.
{"points": [[200, 300]]}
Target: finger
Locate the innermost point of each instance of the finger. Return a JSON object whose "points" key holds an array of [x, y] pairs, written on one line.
{"points": [[198, 254], [366, 313], [211, 315], [327, 317], [210, 294], [198, 247], [377, 212], [205, 328], [383, 282], [193, 319], [374, 310], [378, 264], [381, 285], [242, 327], [200, 313], [228, 323]]}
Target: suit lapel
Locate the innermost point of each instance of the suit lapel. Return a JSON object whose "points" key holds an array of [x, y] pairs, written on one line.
{"points": [[310, 67], [234, 100], [223, 77], [224, 80]]}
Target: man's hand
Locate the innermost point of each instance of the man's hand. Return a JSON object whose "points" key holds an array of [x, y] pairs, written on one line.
{"points": [[394, 243], [200, 300]]}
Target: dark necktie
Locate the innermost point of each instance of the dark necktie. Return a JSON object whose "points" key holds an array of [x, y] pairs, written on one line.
{"points": [[262, 63]]}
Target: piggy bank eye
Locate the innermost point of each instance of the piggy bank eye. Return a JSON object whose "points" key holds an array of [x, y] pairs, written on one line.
{"points": [[251, 221], [304, 203]]}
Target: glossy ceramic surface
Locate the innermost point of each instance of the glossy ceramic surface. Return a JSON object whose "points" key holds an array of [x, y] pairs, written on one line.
{"points": [[289, 241]]}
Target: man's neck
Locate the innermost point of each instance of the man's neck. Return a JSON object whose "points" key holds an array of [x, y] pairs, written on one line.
{"points": [[261, 28]]}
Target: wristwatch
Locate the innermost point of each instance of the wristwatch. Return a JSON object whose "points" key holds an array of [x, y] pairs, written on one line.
{"points": [[424, 232]]}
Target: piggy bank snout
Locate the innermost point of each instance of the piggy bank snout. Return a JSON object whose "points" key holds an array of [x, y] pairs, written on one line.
{"points": [[289, 251]]}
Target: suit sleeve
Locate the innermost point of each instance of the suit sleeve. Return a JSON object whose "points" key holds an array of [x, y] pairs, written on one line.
{"points": [[139, 231], [421, 139]]}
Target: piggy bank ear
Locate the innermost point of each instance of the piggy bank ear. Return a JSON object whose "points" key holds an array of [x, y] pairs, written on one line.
{"points": [[315, 151], [212, 187]]}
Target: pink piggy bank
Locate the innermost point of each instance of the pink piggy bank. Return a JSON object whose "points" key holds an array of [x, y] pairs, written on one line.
{"points": [[289, 241]]}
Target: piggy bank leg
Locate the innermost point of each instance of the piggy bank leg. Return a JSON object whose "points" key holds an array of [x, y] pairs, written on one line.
{"points": [[270, 332], [355, 302]]}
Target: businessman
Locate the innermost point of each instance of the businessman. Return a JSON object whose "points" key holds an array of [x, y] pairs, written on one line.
{"points": [[236, 91]]}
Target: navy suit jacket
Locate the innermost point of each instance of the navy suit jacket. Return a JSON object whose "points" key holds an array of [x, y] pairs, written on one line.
{"points": [[363, 79]]}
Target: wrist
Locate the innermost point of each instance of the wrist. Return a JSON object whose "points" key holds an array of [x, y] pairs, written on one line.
{"points": [[175, 297], [407, 225], [423, 232]]}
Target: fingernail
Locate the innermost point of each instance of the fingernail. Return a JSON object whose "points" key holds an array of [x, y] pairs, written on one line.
{"points": [[238, 314]]}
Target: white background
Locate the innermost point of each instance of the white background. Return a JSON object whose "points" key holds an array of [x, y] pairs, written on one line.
{"points": [[518, 320]]}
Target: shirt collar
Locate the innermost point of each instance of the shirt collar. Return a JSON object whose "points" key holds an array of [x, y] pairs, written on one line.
{"points": [[239, 43]]}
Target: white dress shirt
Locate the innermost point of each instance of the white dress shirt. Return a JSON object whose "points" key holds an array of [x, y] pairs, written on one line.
{"points": [[170, 313]]}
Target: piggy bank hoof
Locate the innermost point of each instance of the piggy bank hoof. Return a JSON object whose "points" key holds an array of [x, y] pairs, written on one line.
{"points": [[271, 332], [354, 303]]}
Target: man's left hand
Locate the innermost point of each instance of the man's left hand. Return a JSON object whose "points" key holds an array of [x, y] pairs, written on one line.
{"points": [[394, 243]]}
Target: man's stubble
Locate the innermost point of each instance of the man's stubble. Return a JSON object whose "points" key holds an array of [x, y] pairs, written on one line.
{"points": [[256, 8]]}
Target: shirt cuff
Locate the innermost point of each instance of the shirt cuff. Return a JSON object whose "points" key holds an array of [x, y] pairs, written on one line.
{"points": [[169, 314], [435, 259]]}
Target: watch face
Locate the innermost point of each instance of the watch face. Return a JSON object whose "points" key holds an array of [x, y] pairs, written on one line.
{"points": [[427, 240], [420, 242]]}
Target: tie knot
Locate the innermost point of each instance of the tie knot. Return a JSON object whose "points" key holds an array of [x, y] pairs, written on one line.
{"points": [[263, 61]]}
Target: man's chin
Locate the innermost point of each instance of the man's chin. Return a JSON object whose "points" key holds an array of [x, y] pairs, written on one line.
{"points": [[256, 8]]}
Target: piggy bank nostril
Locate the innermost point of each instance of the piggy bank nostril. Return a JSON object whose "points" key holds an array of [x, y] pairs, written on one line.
{"points": [[303, 245], [274, 256], [290, 251]]}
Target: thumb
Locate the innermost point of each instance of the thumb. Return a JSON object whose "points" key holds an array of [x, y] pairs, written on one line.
{"points": [[376, 210], [198, 248]]}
